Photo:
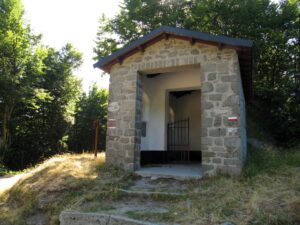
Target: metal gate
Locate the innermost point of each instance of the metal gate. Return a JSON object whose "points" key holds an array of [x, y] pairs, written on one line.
{"points": [[178, 133]]}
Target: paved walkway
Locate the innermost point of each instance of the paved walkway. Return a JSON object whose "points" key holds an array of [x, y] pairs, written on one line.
{"points": [[8, 182]]}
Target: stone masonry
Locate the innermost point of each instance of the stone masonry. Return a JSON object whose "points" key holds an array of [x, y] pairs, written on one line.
{"points": [[222, 142]]}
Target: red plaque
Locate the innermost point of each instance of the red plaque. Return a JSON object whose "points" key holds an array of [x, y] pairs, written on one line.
{"points": [[112, 123], [232, 119]]}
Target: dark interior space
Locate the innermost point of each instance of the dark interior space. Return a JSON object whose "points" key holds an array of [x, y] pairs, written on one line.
{"points": [[169, 157]]}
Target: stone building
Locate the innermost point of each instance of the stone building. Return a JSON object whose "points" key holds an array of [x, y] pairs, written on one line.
{"points": [[177, 97]]}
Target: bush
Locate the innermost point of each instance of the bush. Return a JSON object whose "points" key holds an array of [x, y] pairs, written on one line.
{"points": [[269, 160], [3, 170]]}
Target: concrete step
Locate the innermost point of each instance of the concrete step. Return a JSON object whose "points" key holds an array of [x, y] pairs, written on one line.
{"points": [[172, 171], [159, 186]]}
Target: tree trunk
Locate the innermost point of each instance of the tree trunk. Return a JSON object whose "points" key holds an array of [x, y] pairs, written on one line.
{"points": [[4, 135]]}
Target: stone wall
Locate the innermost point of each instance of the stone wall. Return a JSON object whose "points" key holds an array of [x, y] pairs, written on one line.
{"points": [[221, 98]]}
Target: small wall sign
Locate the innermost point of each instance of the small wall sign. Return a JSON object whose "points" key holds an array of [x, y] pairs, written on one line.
{"points": [[113, 107], [112, 123], [232, 119]]}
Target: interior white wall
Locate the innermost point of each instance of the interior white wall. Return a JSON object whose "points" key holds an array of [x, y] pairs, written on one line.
{"points": [[156, 106], [188, 106]]}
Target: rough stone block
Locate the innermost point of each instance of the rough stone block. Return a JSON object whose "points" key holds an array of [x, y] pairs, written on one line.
{"points": [[207, 105], [222, 87], [235, 87], [209, 67], [217, 160], [207, 87], [130, 132], [211, 76], [206, 141], [233, 162], [207, 122], [232, 100], [229, 78], [219, 141], [217, 121], [215, 97], [223, 67], [208, 154], [232, 141], [217, 132]]}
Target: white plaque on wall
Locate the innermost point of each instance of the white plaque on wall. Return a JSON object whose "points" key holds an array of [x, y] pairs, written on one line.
{"points": [[113, 107]]}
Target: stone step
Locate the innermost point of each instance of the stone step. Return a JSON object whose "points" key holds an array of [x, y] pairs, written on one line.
{"points": [[151, 193], [79, 218], [158, 185]]}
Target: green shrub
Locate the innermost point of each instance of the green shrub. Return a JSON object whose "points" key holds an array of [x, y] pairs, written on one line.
{"points": [[267, 160]]}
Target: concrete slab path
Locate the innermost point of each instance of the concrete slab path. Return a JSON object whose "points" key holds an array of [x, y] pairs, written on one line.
{"points": [[8, 182], [176, 171]]}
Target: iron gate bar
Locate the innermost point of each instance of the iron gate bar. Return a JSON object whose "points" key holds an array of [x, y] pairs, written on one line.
{"points": [[178, 133]]}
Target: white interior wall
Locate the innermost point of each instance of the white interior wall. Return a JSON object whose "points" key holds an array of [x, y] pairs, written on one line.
{"points": [[188, 106], [155, 103]]}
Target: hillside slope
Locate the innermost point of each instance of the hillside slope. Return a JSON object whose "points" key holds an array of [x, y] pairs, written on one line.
{"points": [[267, 193]]}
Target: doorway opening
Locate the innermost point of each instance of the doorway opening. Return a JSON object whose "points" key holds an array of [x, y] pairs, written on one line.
{"points": [[171, 124], [184, 126], [183, 130]]}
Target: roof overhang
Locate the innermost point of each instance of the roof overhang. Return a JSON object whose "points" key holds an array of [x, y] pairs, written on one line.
{"points": [[242, 46]]}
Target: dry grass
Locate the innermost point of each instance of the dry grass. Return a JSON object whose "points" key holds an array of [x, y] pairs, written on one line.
{"points": [[267, 192], [59, 183], [263, 200]]}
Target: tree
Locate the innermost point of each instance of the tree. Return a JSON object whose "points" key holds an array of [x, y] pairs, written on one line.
{"points": [[17, 59], [274, 27], [40, 125], [89, 108], [136, 19]]}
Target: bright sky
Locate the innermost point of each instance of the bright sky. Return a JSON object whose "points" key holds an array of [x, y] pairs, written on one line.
{"points": [[72, 21]]}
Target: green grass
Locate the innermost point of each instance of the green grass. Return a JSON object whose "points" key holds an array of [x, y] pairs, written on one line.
{"points": [[270, 160]]}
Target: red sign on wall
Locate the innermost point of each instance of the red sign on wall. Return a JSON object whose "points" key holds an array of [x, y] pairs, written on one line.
{"points": [[112, 123], [232, 119]]}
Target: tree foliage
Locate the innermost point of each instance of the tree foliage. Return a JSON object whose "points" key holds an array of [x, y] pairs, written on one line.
{"points": [[275, 28], [41, 124], [38, 91], [17, 58]]}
